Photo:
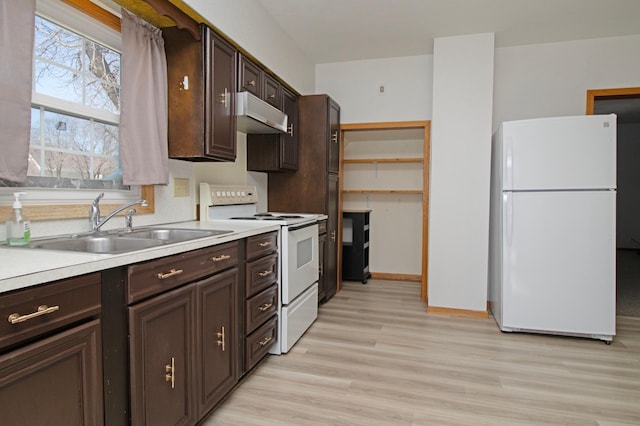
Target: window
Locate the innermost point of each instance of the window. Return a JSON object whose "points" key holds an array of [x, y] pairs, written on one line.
{"points": [[75, 111], [74, 151]]}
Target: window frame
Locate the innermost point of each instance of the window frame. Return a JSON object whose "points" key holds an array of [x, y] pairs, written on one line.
{"points": [[76, 206]]}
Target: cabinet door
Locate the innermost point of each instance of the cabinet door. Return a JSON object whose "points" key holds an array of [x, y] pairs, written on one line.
{"points": [[217, 336], [334, 136], [331, 261], [289, 141], [249, 77], [271, 91], [162, 349], [220, 120], [57, 380]]}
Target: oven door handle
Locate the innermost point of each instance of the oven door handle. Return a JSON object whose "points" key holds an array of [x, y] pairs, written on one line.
{"points": [[304, 225]]}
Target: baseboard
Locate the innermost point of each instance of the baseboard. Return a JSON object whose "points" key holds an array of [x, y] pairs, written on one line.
{"points": [[467, 313], [396, 277]]}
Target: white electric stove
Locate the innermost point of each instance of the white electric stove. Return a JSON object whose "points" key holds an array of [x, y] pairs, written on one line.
{"points": [[297, 253]]}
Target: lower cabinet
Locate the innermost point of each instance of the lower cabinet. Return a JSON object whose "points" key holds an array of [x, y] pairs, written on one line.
{"points": [[162, 352], [183, 351], [217, 367], [55, 381], [50, 354]]}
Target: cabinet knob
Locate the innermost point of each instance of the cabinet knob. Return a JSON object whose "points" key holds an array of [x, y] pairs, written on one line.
{"points": [[334, 137], [224, 98], [16, 318], [266, 341], [290, 130], [170, 373], [171, 273], [264, 307], [220, 258], [251, 83], [333, 235], [221, 339], [265, 273]]}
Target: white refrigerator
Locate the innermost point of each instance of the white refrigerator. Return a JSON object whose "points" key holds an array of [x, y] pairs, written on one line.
{"points": [[552, 247]]}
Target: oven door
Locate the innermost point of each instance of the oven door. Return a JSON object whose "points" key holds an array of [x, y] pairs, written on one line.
{"points": [[299, 260]]}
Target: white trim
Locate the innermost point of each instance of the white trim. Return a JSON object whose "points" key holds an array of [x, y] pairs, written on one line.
{"points": [[73, 108], [84, 25]]}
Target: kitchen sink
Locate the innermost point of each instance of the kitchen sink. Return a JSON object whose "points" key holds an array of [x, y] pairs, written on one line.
{"points": [[95, 244], [173, 235], [113, 242]]}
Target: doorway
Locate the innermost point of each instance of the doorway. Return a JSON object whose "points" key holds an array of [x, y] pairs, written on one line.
{"points": [[625, 103]]}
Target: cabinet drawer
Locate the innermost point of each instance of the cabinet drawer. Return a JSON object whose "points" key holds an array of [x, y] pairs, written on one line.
{"points": [[260, 307], [156, 276], [262, 244], [258, 343], [261, 274], [38, 310]]}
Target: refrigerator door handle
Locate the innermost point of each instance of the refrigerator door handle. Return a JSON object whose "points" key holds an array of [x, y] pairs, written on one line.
{"points": [[508, 215], [509, 163]]}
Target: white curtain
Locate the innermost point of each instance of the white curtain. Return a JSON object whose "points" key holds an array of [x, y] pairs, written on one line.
{"points": [[17, 19], [143, 114]]}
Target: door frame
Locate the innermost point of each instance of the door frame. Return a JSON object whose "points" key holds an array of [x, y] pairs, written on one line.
{"points": [[426, 127], [621, 92]]}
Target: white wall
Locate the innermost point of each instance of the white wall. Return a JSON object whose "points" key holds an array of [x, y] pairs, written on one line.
{"points": [[552, 79], [248, 24], [354, 85], [460, 158]]}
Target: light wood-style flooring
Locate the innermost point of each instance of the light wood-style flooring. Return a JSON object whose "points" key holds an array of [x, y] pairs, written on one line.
{"points": [[375, 357]]}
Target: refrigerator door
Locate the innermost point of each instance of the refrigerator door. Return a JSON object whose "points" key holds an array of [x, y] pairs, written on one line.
{"points": [[559, 153], [558, 262]]}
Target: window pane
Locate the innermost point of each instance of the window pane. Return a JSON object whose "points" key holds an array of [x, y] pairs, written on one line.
{"points": [[75, 69]]}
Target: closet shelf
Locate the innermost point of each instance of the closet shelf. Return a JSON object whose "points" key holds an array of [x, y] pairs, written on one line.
{"points": [[382, 160], [382, 191]]}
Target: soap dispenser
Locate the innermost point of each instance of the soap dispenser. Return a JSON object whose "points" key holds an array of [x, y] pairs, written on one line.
{"points": [[18, 230]]}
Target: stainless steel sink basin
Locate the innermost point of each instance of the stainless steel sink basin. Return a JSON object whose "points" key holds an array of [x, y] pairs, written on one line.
{"points": [[113, 242], [93, 244], [173, 235]]}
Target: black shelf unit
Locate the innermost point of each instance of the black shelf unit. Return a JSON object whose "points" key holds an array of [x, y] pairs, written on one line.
{"points": [[355, 245]]}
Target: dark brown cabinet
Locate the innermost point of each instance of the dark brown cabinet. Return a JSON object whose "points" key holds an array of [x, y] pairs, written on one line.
{"points": [[271, 91], [249, 76], [202, 83], [183, 334], [261, 292], [162, 335], [50, 354], [314, 187], [276, 152], [216, 367]]}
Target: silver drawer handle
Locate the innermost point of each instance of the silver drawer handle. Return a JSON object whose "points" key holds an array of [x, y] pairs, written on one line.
{"points": [[171, 273], [221, 257], [266, 340], [265, 244], [15, 318], [265, 273], [264, 307]]}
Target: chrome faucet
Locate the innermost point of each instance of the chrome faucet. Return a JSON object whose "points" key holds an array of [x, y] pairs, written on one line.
{"points": [[94, 212]]}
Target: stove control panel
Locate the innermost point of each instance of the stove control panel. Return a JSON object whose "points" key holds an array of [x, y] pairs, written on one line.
{"points": [[224, 195]]}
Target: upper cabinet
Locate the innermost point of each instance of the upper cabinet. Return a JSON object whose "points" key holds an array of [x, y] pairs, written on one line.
{"points": [[276, 152], [202, 84], [249, 76]]}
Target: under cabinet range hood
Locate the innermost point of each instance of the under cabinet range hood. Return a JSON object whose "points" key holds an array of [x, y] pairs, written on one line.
{"points": [[257, 116]]}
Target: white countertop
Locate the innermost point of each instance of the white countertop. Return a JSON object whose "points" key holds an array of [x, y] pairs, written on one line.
{"points": [[24, 267]]}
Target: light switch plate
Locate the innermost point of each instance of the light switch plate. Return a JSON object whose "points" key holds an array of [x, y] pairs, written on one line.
{"points": [[180, 187]]}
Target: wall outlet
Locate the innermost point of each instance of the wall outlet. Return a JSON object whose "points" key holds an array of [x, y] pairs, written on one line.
{"points": [[180, 187]]}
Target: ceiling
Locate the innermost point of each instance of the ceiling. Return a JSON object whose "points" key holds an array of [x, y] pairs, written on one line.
{"points": [[347, 30]]}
